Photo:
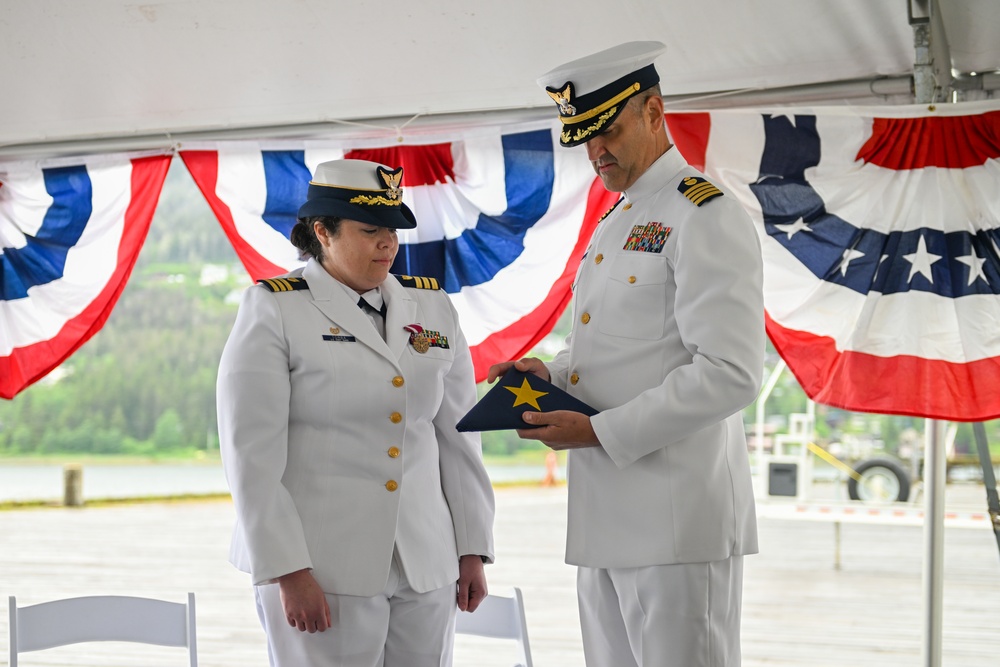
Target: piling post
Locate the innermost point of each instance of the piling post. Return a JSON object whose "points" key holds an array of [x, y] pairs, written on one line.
{"points": [[73, 485]]}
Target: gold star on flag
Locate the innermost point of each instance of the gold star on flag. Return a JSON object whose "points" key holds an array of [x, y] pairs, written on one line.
{"points": [[525, 394]]}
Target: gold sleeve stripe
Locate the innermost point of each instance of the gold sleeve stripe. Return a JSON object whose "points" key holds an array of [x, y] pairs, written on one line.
{"points": [[702, 192], [704, 198], [699, 189], [424, 282], [707, 196], [283, 284], [419, 282]]}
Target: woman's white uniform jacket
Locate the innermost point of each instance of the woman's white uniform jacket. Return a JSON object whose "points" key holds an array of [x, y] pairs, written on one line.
{"points": [[668, 343], [339, 446]]}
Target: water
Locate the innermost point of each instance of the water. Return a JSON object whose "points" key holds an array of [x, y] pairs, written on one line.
{"points": [[45, 482]]}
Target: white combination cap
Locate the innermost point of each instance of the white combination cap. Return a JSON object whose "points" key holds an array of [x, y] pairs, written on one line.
{"points": [[359, 190], [591, 91]]}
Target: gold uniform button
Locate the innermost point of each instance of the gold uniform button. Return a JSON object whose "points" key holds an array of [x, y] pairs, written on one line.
{"points": [[585, 318], [626, 207], [391, 485], [574, 378], [631, 279], [393, 452], [397, 381], [599, 258], [395, 417]]}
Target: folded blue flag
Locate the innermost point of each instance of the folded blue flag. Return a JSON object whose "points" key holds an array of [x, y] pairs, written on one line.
{"points": [[514, 393]]}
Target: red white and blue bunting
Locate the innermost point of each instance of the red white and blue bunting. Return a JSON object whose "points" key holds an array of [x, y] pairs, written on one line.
{"points": [[502, 220], [70, 232], [880, 231]]}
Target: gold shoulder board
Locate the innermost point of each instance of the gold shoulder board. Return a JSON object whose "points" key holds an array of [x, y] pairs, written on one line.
{"points": [[698, 190], [418, 282], [284, 284]]}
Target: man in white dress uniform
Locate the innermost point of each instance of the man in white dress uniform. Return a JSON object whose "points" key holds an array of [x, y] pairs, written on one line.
{"points": [[363, 517], [668, 344]]}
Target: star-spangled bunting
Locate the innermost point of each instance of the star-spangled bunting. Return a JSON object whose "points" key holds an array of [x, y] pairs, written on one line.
{"points": [[70, 233], [502, 220], [879, 230]]}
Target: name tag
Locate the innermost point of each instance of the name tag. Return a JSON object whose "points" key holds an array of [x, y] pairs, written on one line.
{"points": [[339, 339]]}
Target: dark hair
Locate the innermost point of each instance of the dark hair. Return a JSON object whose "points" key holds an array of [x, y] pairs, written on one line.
{"points": [[304, 238]]}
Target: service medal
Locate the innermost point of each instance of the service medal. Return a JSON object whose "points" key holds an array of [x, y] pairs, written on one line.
{"points": [[418, 340], [420, 343]]}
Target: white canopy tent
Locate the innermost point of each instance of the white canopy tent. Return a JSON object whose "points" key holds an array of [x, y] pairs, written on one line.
{"points": [[91, 76]]}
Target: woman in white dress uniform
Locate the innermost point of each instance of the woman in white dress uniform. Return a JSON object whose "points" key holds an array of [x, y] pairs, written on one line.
{"points": [[363, 517]]}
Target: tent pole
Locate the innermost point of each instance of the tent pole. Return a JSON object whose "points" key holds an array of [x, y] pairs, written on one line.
{"points": [[933, 577], [932, 63], [931, 83]]}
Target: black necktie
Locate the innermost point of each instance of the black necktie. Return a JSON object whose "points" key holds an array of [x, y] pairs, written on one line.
{"points": [[379, 321], [368, 308]]}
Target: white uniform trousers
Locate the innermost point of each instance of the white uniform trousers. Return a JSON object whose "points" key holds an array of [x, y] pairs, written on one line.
{"points": [[684, 615], [397, 628]]}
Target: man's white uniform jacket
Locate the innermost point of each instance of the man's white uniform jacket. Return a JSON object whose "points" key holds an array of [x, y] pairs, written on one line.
{"points": [[668, 343], [338, 446]]}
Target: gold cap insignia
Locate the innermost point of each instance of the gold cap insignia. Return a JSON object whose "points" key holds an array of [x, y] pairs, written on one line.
{"points": [[562, 98], [392, 180]]}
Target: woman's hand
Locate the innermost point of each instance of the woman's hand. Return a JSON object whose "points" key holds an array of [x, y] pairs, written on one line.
{"points": [[471, 582], [302, 599]]}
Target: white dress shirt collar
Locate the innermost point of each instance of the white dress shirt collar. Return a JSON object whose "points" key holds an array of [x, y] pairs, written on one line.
{"points": [[374, 299], [653, 179]]}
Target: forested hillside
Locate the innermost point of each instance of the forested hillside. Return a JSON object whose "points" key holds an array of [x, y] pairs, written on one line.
{"points": [[146, 382]]}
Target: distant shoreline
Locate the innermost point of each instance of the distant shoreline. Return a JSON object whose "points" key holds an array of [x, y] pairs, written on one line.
{"points": [[109, 460], [522, 457], [39, 482], [9, 505]]}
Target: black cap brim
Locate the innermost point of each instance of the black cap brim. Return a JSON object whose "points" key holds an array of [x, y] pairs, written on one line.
{"points": [[323, 201], [573, 136]]}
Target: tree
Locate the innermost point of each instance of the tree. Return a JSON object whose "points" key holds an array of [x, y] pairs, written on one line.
{"points": [[168, 434]]}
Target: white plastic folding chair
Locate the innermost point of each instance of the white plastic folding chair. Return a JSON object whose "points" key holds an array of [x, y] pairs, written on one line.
{"points": [[501, 618], [102, 618]]}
